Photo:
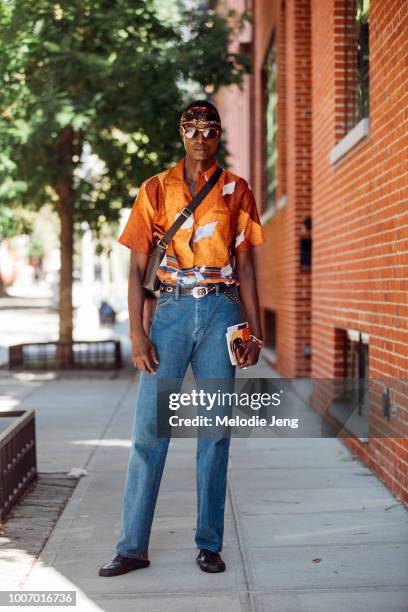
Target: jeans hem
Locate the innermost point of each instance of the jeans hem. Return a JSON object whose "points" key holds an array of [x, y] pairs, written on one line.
{"points": [[130, 556], [210, 549]]}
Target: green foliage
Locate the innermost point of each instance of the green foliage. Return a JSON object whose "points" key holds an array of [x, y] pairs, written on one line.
{"points": [[36, 247], [15, 221], [107, 77]]}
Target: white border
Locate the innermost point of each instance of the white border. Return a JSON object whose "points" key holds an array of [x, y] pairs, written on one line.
{"points": [[354, 136]]}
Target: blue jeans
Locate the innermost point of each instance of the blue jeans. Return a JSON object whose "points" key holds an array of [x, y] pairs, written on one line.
{"points": [[183, 329]]}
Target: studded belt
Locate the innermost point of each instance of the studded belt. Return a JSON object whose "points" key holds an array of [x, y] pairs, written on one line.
{"points": [[231, 291]]}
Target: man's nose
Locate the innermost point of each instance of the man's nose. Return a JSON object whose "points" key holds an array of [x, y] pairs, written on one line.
{"points": [[200, 138]]}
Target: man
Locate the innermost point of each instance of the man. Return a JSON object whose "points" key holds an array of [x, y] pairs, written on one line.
{"points": [[212, 249]]}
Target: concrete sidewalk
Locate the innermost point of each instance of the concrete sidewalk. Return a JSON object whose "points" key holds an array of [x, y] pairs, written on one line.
{"points": [[307, 528]]}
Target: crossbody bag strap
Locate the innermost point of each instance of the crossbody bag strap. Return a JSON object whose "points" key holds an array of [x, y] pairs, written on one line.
{"points": [[188, 211]]}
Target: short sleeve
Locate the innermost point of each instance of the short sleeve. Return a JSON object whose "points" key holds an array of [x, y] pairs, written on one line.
{"points": [[249, 231], [138, 231]]}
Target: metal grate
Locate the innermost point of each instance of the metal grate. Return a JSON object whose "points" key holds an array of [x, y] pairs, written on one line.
{"points": [[101, 354]]}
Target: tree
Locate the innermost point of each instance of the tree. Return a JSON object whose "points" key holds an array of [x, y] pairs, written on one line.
{"points": [[105, 78]]}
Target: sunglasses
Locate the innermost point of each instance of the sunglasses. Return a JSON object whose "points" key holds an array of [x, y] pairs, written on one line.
{"points": [[208, 133]]}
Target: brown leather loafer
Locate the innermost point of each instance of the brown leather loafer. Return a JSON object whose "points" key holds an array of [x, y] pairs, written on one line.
{"points": [[210, 561], [122, 565]]}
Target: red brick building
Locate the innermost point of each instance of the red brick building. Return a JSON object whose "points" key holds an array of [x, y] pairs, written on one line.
{"points": [[323, 130]]}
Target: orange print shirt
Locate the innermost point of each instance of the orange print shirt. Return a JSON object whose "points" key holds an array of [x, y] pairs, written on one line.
{"points": [[202, 250]]}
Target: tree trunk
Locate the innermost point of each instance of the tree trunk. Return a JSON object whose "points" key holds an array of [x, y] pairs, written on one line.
{"points": [[65, 192], [3, 292], [66, 272]]}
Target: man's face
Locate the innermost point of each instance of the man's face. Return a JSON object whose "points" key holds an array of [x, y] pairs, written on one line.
{"points": [[200, 148]]}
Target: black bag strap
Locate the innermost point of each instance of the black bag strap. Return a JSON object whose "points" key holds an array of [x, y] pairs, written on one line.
{"points": [[188, 211]]}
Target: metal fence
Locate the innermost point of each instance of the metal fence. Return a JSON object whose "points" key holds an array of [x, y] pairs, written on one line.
{"points": [[18, 459], [101, 354]]}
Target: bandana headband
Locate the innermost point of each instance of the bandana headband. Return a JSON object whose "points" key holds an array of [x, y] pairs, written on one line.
{"points": [[200, 116]]}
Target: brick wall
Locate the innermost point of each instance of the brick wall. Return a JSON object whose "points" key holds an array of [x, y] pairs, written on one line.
{"points": [[360, 213], [358, 206], [285, 289], [234, 103]]}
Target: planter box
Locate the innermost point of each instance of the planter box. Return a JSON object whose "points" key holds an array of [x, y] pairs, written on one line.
{"points": [[18, 458], [100, 354]]}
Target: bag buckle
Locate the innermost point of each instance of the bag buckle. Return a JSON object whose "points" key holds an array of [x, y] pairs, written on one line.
{"points": [[161, 244], [198, 292], [186, 213]]}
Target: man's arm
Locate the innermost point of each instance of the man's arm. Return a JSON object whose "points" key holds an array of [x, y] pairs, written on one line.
{"points": [[248, 292], [140, 313]]}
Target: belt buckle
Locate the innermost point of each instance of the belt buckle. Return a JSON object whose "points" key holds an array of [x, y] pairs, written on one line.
{"points": [[199, 292]]}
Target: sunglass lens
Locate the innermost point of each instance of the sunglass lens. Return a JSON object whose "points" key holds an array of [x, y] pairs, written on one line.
{"points": [[190, 132], [210, 133]]}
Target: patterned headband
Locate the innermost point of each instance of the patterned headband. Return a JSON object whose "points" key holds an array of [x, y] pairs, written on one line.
{"points": [[200, 116]]}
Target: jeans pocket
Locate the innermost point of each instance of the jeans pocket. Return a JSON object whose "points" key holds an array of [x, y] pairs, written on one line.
{"points": [[164, 299]]}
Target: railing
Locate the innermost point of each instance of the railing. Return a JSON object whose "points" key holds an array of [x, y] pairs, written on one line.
{"points": [[18, 459], [100, 354]]}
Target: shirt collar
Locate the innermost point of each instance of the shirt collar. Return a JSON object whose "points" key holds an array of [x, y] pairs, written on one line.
{"points": [[177, 172]]}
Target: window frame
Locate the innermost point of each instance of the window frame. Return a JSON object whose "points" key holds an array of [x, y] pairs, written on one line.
{"points": [[270, 59], [353, 127]]}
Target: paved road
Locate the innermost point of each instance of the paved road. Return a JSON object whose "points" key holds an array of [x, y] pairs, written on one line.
{"points": [[307, 527]]}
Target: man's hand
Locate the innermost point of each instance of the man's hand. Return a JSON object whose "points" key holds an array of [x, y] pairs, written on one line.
{"points": [[144, 355], [247, 353]]}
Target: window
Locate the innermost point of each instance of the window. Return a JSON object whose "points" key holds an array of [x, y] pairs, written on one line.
{"points": [[356, 62], [355, 355], [305, 254], [350, 406], [356, 366], [271, 126]]}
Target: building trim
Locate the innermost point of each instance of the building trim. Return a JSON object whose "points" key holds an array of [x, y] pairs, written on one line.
{"points": [[359, 132], [271, 212]]}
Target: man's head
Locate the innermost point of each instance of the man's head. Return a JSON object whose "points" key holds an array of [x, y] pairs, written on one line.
{"points": [[200, 129]]}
